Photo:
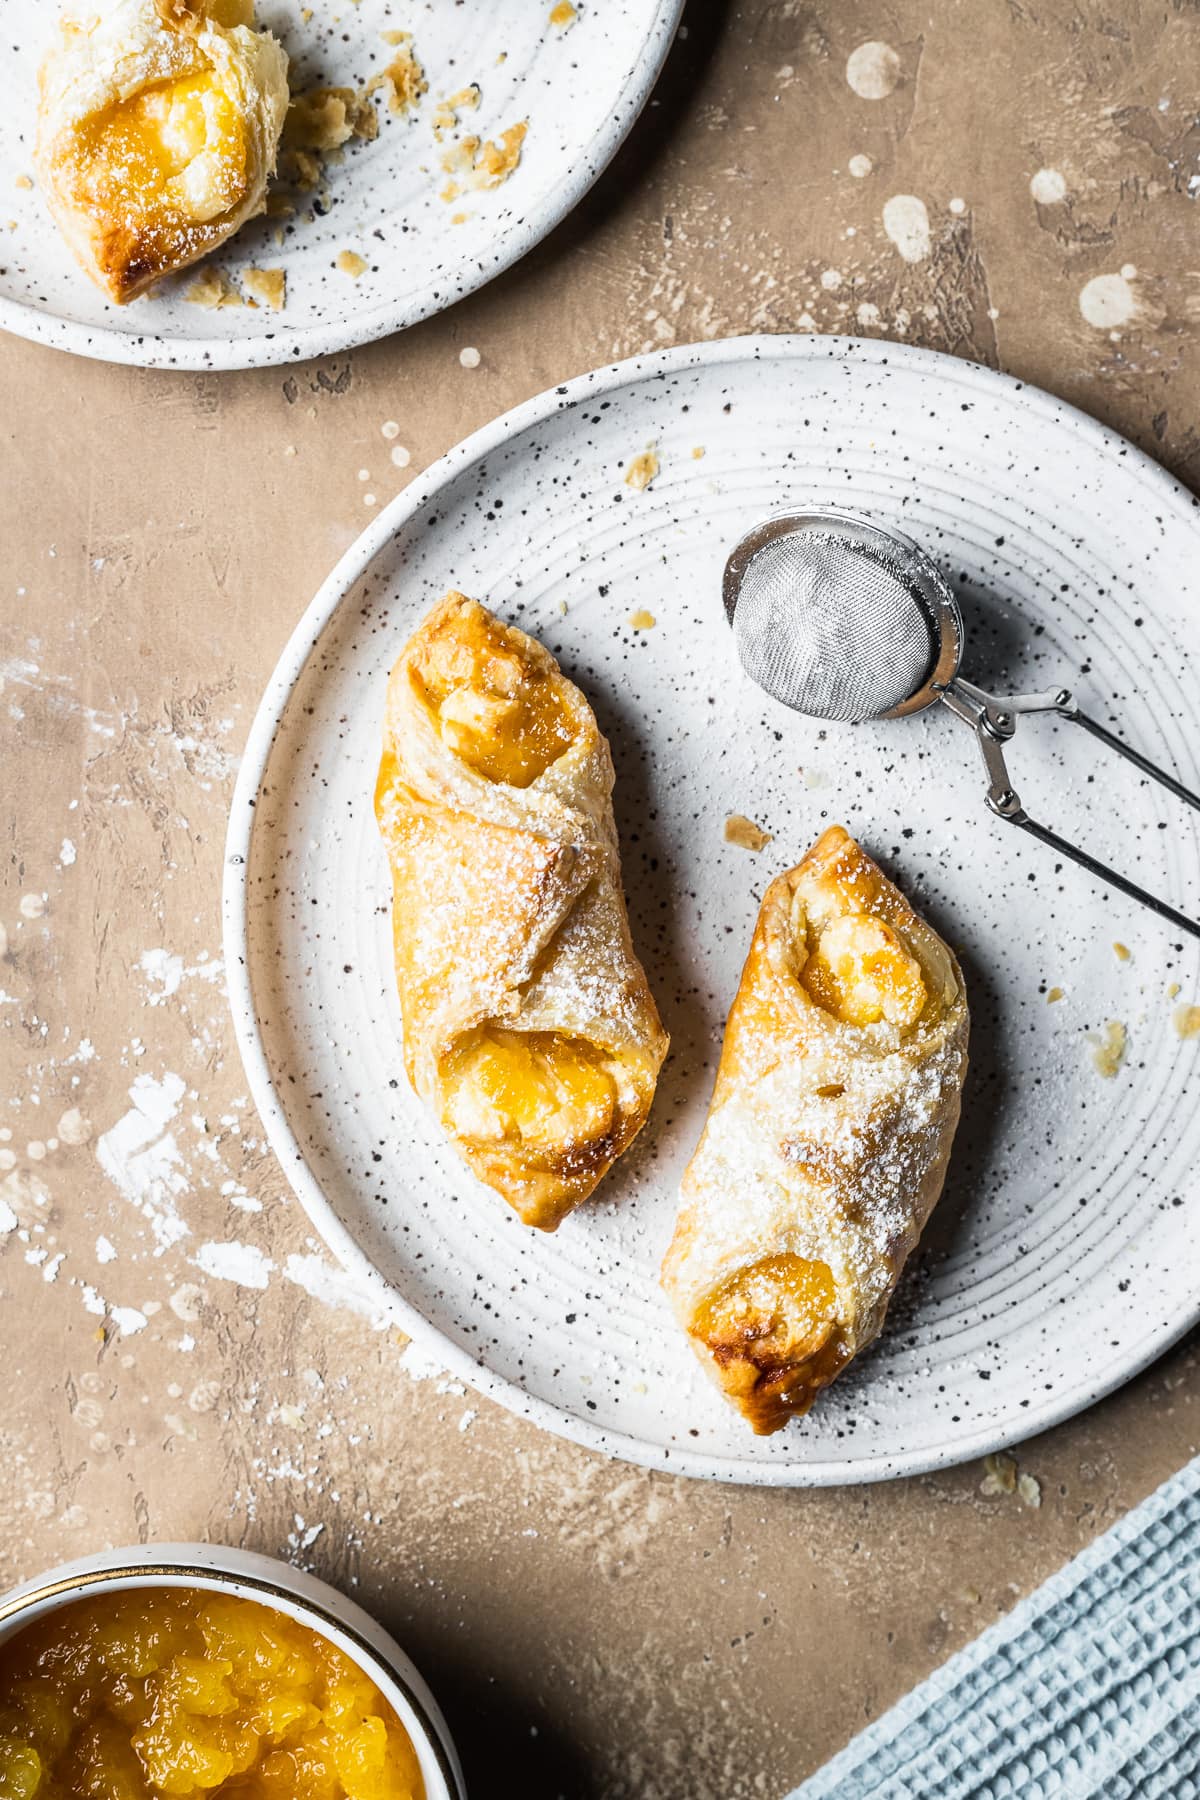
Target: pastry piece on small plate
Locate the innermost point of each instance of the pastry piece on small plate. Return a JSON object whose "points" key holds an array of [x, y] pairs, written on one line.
{"points": [[158, 122], [827, 1141], [529, 1029]]}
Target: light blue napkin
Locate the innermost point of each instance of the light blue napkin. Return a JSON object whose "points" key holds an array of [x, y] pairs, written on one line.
{"points": [[1090, 1686]]}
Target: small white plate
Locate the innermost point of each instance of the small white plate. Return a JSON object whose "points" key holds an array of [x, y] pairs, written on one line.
{"points": [[1062, 1257], [580, 90]]}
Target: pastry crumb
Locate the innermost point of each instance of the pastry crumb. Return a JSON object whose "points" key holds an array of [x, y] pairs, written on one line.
{"points": [[1000, 1474], [447, 111], [745, 833], [563, 608], [267, 286], [1056, 993], [641, 620], [1108, 1048], [326, 118], [970, 1596], [403, 81], [698, 452], [213, 289], [24, 182], [642, 470], [1122, 952], [351, 263], [483, 164], [564, 15], [1172, 989], [1029, 1491], [1187, 1021]]}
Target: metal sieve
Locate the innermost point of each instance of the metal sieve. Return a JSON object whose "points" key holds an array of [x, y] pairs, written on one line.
{"points": [[839, 619]]}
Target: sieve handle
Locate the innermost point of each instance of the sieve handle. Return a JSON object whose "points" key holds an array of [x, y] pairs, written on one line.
{"points": [[994, 722], [1053, 842]]}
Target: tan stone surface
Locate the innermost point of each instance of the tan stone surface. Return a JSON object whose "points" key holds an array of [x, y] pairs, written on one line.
{"points": [[594, 1630]]}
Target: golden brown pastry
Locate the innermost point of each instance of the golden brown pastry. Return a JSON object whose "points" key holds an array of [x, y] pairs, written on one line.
{"points": [[158, 122], [826, 1146], [529, 1030]]}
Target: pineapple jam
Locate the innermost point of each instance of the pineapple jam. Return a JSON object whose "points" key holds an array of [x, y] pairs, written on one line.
{"points": [[175, 1691]]}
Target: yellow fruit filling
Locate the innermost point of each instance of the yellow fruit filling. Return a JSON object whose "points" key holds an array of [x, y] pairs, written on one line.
{"points": [[172, 154], [498, 712], [860, 971], [773, 1309], [538, 1087], [169, 1692]]}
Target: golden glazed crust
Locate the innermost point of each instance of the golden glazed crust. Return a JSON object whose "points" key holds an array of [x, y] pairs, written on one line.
{"points": [[529, 1029], [827, 1141], [118, 75]]}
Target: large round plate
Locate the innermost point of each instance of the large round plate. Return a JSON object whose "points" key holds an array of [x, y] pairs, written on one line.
{"points": [[579, 90], [1063, 1254]]}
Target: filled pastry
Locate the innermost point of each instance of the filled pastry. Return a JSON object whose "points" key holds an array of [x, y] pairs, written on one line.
{"points": [[827, 1141], [529, 1030], [158, 122]]}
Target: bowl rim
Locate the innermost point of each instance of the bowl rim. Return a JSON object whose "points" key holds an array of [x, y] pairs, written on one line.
{"points": [[217, 1567]]}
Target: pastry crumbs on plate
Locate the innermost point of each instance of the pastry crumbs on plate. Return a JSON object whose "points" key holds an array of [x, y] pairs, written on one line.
{"points": [[698, 452], [642, 470], [213, 289], [351, 263], [1108, 1048], [267, 286], [445, 116], [483, 164], [1056, 993], [745, 833], [563, 15], [1122, 952], [403, 81], [1187, 1022], [24, 182], [641, 620], [1029, 1491], [323, 119]]}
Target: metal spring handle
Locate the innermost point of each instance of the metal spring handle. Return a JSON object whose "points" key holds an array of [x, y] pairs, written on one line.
{"points": [[994, 722]]}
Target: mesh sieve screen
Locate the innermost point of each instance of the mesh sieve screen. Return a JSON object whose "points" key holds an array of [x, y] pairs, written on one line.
{"points": [[831, 628]]}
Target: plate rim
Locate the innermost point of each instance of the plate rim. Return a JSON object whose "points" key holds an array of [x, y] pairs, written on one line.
{"points": [[236, 901], [274, 349]]}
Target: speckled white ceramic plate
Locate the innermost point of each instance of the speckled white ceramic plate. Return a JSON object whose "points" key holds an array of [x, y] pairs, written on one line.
{"points": [[1063, 1254], [580, 91]]}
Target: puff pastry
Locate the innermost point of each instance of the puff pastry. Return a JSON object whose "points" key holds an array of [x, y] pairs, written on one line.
{"points": [[529, 1029], [158, 122], [826, 1146]]}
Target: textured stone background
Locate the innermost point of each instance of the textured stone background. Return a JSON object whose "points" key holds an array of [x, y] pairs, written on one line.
{"points": [[594, 1631]]}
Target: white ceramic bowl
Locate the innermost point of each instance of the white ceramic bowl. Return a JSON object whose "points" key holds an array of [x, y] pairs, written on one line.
{"points": [[302, 1597]]}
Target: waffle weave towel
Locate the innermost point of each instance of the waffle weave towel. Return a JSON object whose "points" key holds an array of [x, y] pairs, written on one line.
{"points": [[1090, 1686]]}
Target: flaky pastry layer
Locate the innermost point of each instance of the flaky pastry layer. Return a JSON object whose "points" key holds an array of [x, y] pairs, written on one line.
{"points": [[827, 1142], [529, 1029], [158, 123]]}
